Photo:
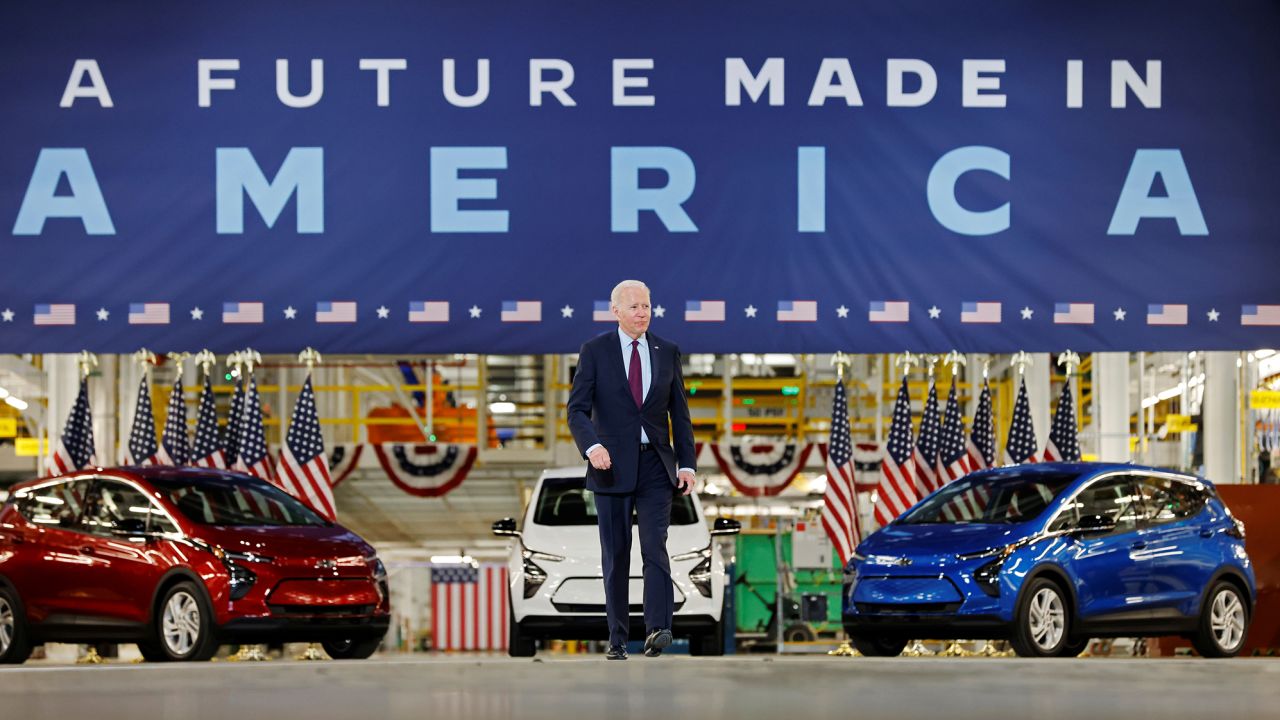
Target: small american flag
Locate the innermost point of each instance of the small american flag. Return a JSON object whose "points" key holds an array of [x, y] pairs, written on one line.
{"points": [[1166, 314], [982, 439], [1073, 313], [1260, 315], [75, 449], [602, 312], [897, 489], [840, 502], [469, 607], [242, 312], [522, 311], [1020, 447], [426, 311], [253, 457], [149, 313], [57, 314], [175, 448], [980, 312], [926, 453], [303, 470], [889, 311], [235, 419], [951, 447], [1063, 443], [797, 311], [142, 448], [336, 312], [704, 311], [208, 450]]}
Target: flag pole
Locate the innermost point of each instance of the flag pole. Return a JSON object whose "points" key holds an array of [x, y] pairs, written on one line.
{"points": [[1070, 361], [246, 359], [309, 357], [917, 647]]}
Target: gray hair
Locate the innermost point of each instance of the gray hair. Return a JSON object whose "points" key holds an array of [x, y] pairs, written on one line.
{"points": [[617, 290]]}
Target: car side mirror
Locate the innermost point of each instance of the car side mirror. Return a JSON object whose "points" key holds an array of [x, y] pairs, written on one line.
{"points": [[1095, 525], [506, 527], [131, 527], [726, 526]]}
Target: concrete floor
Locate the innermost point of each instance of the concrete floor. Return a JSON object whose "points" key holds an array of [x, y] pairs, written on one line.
{"points": [[669, 688]]}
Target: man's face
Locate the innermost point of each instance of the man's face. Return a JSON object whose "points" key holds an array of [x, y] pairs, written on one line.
{"points": [[632, 311]]}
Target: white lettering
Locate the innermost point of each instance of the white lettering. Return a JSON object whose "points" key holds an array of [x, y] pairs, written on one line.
{"points": [[384, 68]]}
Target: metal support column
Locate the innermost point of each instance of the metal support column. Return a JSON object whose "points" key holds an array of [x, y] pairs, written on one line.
{"points": [[1220, 417]]}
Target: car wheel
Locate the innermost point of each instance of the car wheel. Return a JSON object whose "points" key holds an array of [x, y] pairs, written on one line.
{"points": [[183, 628], [1074, 648], [1224, 622], [1042, 622], [15, 638], [709, 643], [519, 644], [873, 646], [351, 649]]}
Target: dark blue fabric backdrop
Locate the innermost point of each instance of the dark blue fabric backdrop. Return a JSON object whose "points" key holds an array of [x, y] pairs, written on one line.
{"points": [[153, 156]]}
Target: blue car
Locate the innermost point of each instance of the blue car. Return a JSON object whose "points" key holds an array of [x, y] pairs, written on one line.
{"points": [[1048, 556]]}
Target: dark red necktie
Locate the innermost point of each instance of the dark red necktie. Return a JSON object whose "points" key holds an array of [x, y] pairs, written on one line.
{"points": [[633, 374]]}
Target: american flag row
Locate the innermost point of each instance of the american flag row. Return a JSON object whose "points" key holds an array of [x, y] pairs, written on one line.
{"points": [[939, 454], [710, 311], [302, 468]]}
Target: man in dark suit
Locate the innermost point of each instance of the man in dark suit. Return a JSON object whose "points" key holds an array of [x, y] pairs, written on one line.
{"points": [[627, 403]]}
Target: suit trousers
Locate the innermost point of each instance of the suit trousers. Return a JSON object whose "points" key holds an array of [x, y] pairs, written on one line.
{"points": [[651, 503]]}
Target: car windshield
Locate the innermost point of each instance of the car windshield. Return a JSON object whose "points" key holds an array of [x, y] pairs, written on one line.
{"points": [[234, 500], [567, 501], [991, 498]]}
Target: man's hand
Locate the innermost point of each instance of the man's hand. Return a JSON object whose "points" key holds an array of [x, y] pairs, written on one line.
{"points": [[684, 480], [600, 459]]}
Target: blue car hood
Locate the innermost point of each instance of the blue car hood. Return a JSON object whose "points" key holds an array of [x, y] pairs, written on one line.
{"points": [[931, 539]]}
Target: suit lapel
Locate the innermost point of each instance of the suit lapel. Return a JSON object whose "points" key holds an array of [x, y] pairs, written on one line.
{"points": [[615, 358]]}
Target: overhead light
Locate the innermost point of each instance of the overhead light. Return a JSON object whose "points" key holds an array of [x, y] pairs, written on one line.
{"points": [[17, 403], [4, 393], [502, 408]]}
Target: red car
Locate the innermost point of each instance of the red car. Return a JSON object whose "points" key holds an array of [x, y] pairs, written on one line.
{"points": [[180, 561]]}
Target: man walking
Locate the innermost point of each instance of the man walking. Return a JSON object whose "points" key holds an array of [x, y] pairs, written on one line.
{"points": [[626, 405]]}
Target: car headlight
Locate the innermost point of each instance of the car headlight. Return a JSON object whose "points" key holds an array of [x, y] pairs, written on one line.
{"points": [[987, 577], [990, 552], [693, 555], [379, 571], [536, 555], [535, 576], [240, 576]]}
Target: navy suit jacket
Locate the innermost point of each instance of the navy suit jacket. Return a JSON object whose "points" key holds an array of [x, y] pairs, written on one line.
{"points": [[601, 410]]}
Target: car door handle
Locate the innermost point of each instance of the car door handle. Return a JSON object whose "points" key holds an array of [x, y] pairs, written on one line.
{"points": [[87, 550], [1206, 532], [1141, 544]]}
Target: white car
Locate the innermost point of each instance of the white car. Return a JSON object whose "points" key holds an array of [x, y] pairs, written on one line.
{"points": [[557, 585]]}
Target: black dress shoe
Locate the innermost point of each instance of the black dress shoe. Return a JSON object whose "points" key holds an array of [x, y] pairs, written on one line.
{"points": [[657, 641], [616, 652]]}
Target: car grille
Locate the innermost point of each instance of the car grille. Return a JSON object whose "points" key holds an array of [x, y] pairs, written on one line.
{"points": [[907, 608], [599, 607], [321, 610]]}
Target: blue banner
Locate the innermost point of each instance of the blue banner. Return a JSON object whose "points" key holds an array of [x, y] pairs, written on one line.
{"points": [[397, 177]]}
